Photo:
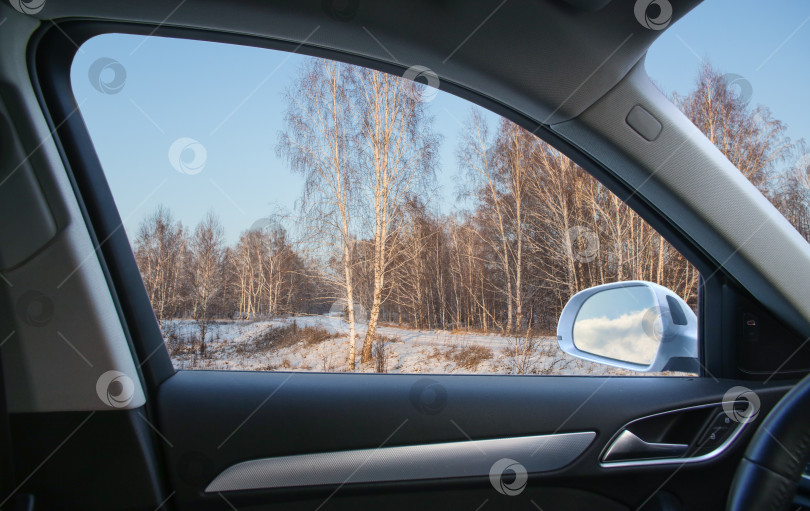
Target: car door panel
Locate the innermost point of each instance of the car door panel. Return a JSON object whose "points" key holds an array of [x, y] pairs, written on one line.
{"points": [[215, 420]]}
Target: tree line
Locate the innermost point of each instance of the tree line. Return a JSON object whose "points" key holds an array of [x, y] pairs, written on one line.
{"points": [[535, 229]]}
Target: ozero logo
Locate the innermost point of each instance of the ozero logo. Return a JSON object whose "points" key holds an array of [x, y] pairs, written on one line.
{"points": [[733, 408], [421, 74], [428, 396], [653, 14], [740, 87], [653, 324], [35, 308], [187, 156], [107, 75], [582, 244], [508, 477], [115, 389], [29, 7]]}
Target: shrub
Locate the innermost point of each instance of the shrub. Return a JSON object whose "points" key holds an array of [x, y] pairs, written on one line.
{"points": [[470, 357], [379, 353], [280, 337]]}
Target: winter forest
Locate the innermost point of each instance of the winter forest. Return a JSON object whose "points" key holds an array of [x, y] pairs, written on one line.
{"points": [[367, 260]]}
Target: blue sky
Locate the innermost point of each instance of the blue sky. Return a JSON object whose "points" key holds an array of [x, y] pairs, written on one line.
{"points": [[204, 91], [767, 43]]}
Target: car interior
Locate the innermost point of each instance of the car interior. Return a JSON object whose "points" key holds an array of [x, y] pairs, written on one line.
{"points": [[76, 320]]}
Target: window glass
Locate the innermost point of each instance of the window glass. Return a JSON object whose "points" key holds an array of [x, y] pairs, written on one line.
{"points": [[293, 213], [738, 70]]}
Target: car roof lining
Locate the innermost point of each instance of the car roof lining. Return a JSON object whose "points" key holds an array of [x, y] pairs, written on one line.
{"points": [[586, 51]]}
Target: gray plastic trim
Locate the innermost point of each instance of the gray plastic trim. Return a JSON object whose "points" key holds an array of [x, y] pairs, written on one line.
{"points": [[27, 220], [406, 463], [64, 347], [591, 49]]}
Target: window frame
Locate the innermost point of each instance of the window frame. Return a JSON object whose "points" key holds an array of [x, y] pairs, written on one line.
{"points": [[50, 56]]}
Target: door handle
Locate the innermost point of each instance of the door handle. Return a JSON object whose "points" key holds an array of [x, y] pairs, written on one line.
{"points": [[628, 446]]}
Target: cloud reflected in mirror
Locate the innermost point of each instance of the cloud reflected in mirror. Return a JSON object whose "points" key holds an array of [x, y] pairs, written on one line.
{"points": [[620, 323]]}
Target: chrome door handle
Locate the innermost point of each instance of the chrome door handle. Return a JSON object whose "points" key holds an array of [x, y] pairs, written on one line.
{"points": [[628, 446]]}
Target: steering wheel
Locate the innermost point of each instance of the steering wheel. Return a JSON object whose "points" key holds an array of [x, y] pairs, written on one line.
{"points": [[769, 473]]}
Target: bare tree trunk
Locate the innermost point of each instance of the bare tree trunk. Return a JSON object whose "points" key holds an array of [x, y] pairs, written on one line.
{"points": [[347, 271]]}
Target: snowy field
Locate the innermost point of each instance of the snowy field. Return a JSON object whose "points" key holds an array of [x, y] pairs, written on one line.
{"points": [[319, 343]]}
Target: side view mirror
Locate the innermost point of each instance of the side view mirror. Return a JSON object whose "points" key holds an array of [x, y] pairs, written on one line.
{"points": [[635, 325]]}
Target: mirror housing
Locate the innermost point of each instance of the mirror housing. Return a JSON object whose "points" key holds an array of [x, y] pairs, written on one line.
{"points": [[668, 320]]}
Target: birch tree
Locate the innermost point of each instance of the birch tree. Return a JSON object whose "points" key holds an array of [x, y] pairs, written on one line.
{"points": [[514, 148], [476, 158], [395, 155], [748, 135], [205, 268], [316, 142], [160, 251]]}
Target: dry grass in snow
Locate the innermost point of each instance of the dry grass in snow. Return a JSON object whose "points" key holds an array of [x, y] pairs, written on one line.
{"points": [[318, 343]]}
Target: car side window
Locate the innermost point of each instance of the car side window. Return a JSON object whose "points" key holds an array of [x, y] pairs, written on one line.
{"points": [[295, 213]]}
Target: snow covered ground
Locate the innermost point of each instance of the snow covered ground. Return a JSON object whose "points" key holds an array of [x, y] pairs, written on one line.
{"points": [[323, 346]]}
